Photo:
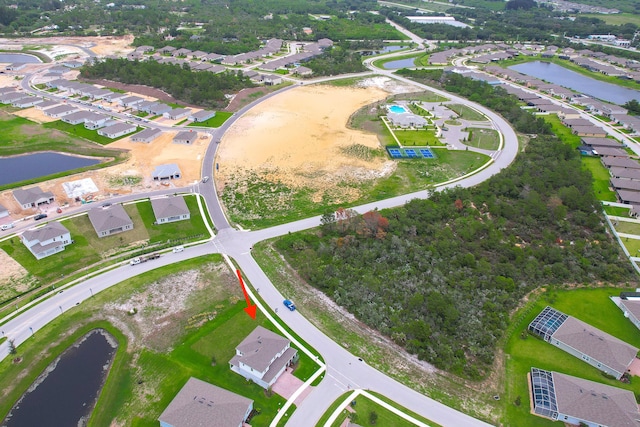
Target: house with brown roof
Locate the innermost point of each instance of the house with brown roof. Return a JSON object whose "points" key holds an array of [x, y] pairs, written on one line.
{"points": [[170, 209], [48, 240], [263, 356], [200, 404], [575, 401], [599, 349], [110, 220]]}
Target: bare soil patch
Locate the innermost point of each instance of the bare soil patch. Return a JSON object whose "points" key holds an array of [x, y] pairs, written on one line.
{"points": [[300, 139]]}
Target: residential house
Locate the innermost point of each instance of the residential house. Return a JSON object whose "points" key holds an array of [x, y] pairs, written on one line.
{"points": [[117, 130], [158, 108], [599, 349], [129, 101], [185, 137], [620, 162], [32, 197], [146, 135], [48, 240], [177, 113], [202, 115], [170, 209], [200, 404], [625, 173], [110, 220], [26, 102], [166, 50], [303, 71], [272, 79], [575, 401], [629, 303], [166, 172], [407, 120], [76, 118], [46, 104], [95, 121], [262, 357], [628, 197], [625, 184], [59, 111]]}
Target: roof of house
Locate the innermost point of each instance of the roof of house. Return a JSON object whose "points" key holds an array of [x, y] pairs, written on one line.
{"points": [[595, 402], [200, 404], [166, 170], [30, 195], [632, 306], [178, 111], [59, 109], [600, 142], [119, 128], [147, 133], [625, 184], [596, 344], [630, 196], [169, 206], [621, 162], [49, 231], [105, 219], [260, 347], [610, 151], [185, 135], [202, 114], [625, 173]]}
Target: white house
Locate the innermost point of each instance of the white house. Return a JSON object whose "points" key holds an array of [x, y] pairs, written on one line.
{"points": [[48, 240], [202, 115], [111, 220], [32, 197], [116, 130], [146, 135], [177, 113], [262, 357]]}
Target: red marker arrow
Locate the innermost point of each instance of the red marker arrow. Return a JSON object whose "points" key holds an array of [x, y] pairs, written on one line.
{"points": [[250, 309]]}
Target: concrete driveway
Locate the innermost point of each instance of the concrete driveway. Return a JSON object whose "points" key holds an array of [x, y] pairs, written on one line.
{"points": [[287, 384]]}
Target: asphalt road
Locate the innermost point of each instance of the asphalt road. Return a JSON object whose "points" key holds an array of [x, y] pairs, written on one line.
{"points": [[344, 370]]}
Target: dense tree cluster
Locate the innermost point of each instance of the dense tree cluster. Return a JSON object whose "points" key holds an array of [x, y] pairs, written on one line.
{"points": [[338, 60], [199, 88], [495, 98], [440, 276]]}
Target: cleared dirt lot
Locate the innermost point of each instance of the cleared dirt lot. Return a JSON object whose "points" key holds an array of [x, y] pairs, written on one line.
{"points": [[300, 138]]}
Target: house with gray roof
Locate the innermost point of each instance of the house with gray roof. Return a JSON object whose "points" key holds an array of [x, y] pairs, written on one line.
{"points": [[59, 111], [185, 137], [625, 184], [46, 104], [117, 130], [407, 120], [599, 349], [629, 303], [576, 401], [200, 404], [166, 171], [202, 115], [625, 173], [170, 209], [158, 108], [76, 118], [48, 240], [32, 197], [177, 113], [628, 197], [263, 356], [620, 162], [110, 220], [146, 135]]}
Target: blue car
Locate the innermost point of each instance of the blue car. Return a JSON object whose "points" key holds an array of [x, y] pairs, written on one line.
{"points": [[289, 304]]}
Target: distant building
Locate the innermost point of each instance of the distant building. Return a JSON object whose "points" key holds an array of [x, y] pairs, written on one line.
{"points": [[202, 115], [32, 197], [170, 209], [48, 240], [200, 404], [599, 349], [263, 356], [109, 221], [146, 135], [576, 401]]}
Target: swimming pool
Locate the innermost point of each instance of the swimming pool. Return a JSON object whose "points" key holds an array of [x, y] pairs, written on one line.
{"points": [[398, 109]]}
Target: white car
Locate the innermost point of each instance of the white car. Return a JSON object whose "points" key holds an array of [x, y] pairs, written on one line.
{"points": [[178, 249], [7, 226]]}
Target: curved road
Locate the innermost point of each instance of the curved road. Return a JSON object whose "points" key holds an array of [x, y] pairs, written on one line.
{"points": [[344, 370]]}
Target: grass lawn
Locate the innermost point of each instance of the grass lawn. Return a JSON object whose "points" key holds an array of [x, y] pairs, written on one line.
{"points": [[80, 131], [617, 18], [523, 351], [379, 63], [562, 131], [601, 178], [425, 96], [193, 229], [148, 373], [141, 114], [467, 113], [254, 202], [367, 413], [215, 121], [627, 227], [421, 138], [487, 139], [632, 245], [616, 211]]}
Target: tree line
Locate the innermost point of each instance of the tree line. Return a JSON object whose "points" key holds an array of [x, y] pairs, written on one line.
{"points": [[199, 88]]}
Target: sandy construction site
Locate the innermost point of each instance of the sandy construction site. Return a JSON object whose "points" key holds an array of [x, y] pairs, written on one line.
{"points": [[300, 138]]}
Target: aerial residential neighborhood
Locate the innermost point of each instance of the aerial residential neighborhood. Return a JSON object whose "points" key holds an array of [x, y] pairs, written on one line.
{"points": [[320, 213]]}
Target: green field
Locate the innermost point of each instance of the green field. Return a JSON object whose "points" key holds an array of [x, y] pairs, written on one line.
{"points": [[215, 121], [487, 139], [81, 132], [150, 368], [616, 18], [601, 178], [524, 351], [418, 138], [466, 113], [616, 211], [627, 227]]}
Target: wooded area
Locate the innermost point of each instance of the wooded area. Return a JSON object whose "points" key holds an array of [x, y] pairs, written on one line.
{"points": [[199, 88]]}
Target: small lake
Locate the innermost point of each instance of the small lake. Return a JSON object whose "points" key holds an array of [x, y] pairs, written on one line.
{"points": [[67, 391], [19, 57], [559, 75], [400, 63], [29, 166]]}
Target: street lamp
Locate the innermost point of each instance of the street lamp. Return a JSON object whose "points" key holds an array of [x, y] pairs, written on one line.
{"points": [[91, 290], [60, 307], [31, 329]]}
